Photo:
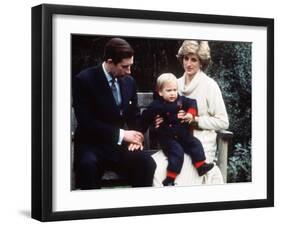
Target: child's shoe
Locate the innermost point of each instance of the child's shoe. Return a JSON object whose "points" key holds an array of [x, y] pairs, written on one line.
{"points": [[206, 167], [169, 181]]}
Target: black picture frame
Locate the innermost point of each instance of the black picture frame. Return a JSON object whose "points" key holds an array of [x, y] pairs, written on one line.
{"points": [[42, 107]]}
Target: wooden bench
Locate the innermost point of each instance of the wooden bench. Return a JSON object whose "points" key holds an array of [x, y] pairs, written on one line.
{"points": [[111, 179]]}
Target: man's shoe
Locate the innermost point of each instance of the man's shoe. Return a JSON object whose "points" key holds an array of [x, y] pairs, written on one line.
{"points": [[206, 167]]}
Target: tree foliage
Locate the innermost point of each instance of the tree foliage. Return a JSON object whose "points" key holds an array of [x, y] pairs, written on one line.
{"points": [[240, 164], [231, 68]]}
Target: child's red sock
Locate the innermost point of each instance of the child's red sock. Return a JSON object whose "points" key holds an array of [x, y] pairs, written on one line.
{"points": [[170, 179], [198, 164]]}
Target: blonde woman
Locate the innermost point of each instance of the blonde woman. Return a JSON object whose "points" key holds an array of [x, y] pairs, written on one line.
{"points": [[195, 57]]}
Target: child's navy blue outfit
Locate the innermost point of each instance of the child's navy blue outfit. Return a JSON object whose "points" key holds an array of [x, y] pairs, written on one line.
{"points": [[175, 137]]}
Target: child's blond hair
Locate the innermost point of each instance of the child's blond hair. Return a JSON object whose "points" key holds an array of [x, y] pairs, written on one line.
{"points": [[164, 78]]}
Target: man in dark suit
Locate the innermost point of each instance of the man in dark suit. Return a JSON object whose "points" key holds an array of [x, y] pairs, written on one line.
{"points": [[104, 100]]}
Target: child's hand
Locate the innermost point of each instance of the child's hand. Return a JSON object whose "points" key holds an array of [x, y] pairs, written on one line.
{"points": [[185, 117], [181, 115]]}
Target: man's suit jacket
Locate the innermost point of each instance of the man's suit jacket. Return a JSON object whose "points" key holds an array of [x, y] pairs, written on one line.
{"points": [[99, 118]]}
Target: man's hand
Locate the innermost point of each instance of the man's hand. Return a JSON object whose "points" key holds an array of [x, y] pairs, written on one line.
{"points": [[157, 121], [135, 147], [133, 137]]}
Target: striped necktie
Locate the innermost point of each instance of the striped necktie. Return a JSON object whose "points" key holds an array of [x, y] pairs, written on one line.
{"points": [[115, 92]]}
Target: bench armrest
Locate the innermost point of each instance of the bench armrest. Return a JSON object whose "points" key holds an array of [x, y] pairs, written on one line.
{"points": [[224, 138]]}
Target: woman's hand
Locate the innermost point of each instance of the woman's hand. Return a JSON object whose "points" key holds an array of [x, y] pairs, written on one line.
{"points": [[188, 117], [157, 121]]}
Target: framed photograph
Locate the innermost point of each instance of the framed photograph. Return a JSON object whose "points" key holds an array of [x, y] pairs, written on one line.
{"points": [[239, 51]]}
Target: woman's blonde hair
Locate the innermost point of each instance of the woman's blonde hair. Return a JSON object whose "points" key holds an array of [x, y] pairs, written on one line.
{"points": [[164, 78], [200, 48]]}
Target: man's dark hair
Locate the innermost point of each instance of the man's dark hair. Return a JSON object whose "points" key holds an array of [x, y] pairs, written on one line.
{"points": [[117, 49]]}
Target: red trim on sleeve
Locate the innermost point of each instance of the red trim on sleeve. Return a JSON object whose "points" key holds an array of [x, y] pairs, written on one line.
{"points": [[171, 174], [192, 111]]}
